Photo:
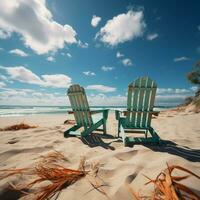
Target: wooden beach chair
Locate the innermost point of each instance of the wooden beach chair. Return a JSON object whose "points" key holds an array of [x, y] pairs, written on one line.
{"points": [[137, 117], [83, 114]]}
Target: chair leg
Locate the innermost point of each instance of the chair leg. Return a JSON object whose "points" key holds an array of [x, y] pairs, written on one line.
{"points": [[104, 127], [92, 128], [74, 128], [123, 135], [146, 132], [119, 130]]}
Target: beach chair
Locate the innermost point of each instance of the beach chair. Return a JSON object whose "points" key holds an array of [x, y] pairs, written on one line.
{"points": [[137, 117], [83, 114]]}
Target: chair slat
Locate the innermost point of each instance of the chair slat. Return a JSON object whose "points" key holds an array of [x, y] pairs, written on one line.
{"points": [[134, 107], [75, 105], [140, 100], [141, 96], [146, 102], [129, 102], [151, 104], [80, 105]]}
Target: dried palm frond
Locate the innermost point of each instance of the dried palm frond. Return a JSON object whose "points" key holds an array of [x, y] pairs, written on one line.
{"points": [[168, 186], [52, 157], [50, 177], [4, 173], [59, 178], [17, 127], [46, 170]]}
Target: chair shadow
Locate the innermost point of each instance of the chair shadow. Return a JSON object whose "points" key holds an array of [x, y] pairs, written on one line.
{"points": [[95, 139], [9, 194], [170, 147]]}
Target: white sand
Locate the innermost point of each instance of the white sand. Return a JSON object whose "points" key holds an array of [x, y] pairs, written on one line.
{"points": [[118, 165]]}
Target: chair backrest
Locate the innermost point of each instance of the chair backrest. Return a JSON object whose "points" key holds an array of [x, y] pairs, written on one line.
{"points": [[79, 104], [141, 96]]}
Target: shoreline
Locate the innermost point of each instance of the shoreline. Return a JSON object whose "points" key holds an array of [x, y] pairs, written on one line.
{"points": [[18, 111]]}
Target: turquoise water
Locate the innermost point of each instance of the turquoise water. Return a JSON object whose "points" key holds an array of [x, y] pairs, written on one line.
{"points": [[7, 111]]}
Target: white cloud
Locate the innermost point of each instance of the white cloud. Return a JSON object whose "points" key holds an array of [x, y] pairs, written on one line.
{"points": [[2, 84], [119, 55], [56, 81], [170, 100], [37, 94], [121, 100], [18, 52], [24, 75], [50, 59], [31, 97], [164, 90], [33, 21], [102, 99], [101, 88], [172, 90], [69, 55], [66, 54], [152, 36], [183, 58], [127, 62], [95, 20], [4, 34], [3, 78], [89, 73], [181, 91], [39, 97], [83, 45], [123, 27], [106, 69], [194, 88], [10, 93]]}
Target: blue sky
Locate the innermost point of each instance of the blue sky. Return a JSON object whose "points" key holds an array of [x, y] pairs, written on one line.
{"points": [[102, 45]]}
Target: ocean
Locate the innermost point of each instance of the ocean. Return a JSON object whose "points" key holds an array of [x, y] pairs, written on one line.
{"points": [[9, 111]]}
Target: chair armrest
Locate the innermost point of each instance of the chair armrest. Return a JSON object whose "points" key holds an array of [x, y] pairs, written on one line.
{"points": [[147, 112], [118, 113], [98, 111], [104, 111], [70, 112], [156, 113]]}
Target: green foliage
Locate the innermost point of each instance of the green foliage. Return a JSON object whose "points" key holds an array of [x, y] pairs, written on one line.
{"points": [[188, 100], [194, 76]]}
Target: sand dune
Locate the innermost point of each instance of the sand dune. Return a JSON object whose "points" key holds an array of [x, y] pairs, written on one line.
{"points": [[118, 165]]}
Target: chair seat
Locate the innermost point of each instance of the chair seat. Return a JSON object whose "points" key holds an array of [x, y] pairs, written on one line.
{"points": [[125, 126]]}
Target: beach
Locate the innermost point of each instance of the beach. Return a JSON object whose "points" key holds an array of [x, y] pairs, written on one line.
{"points": [[99, 100], [117, 165]]}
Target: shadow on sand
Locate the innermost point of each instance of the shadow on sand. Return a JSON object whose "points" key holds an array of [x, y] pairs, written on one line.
{"points": [[170, 147], [96, 139], [166, 146], [9, 194]]}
